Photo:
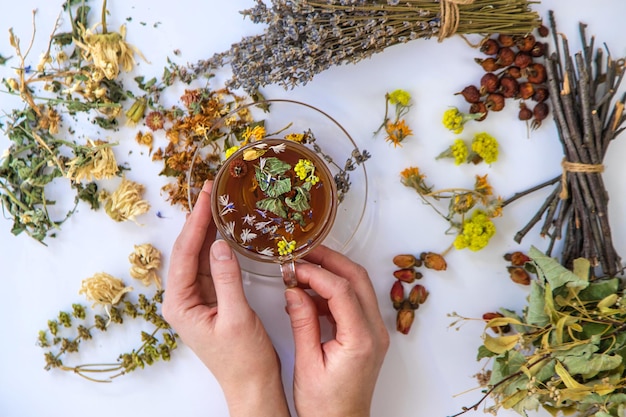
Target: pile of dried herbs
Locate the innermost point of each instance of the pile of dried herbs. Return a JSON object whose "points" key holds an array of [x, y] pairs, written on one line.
{"points": [[304, 38], [77, 76], [566, 351]]}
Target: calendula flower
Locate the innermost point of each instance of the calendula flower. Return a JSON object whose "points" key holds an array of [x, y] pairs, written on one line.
{"points": [[485, 147], [94, 161], [145, 139], [399, 97], [475, 232], [126, 202], [108, 51], [295, 137], [483, 187], [397, 131], [462, 203], [103, 289], [253, 134], [455, 120], [286, 247], [145, 261], [413, 178]]}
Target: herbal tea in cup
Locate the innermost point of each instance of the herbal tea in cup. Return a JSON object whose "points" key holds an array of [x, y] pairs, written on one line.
{"points": [[274, 200]]}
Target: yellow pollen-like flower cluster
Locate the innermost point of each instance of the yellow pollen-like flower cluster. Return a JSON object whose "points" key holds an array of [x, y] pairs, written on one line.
{"points": [[285, 248], [475, 232], [400, 97], [485, 146], [459, 151], [306, 170], [253, 134], [453, 120]]}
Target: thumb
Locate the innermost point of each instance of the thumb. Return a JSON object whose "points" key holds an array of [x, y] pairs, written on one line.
{"points": [[226, 275], [304, 323]]}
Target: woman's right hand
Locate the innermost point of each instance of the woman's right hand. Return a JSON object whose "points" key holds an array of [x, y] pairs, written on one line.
{"points": [[337, 377]]}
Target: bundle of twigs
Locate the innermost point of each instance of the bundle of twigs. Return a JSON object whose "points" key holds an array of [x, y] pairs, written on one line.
{"points": [[305, 37], [582, 91]]}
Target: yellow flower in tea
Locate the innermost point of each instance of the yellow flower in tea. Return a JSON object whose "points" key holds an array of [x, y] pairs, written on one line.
{"points": [[108, 51], [126, 203], [285, 247], [306, 170], [103, 289], [397, 132], [95, 161], [145, 261]]}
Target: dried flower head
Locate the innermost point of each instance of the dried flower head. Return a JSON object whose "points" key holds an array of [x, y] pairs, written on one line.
{"points": [[103, 289], [94, 161], [145, 261], [475, 232], [126, 203], [108, 51], [485, 147]]}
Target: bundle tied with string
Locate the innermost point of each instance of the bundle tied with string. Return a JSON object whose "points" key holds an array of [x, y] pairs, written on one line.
{"points": [[303, 38], [588, 118]]}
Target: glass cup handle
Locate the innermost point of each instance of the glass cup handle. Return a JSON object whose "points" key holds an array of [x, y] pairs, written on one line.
{"points": [[288, 271]]}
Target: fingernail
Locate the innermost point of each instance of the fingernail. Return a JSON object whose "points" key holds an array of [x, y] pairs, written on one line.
{"points": [[206, 187], [293, 298], [221, 251]]}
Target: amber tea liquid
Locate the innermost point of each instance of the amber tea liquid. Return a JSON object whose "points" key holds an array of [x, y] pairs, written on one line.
{"points": [[274, 199]]}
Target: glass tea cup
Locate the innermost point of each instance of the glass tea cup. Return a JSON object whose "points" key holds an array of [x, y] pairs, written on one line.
{"points": [[274, 201]]}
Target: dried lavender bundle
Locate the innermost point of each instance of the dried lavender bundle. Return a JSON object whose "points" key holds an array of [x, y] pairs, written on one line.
{"points": [[305, 37], [588, 117]]}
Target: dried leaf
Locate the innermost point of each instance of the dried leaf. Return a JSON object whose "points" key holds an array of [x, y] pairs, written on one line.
{"points": [[501, 344], [555, 273]]}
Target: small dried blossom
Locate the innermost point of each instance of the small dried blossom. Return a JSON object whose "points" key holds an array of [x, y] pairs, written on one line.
{"points": [[103, 289], [145, 262], [475, 232], [396, 128], [126, 202], [109, 51], [455, 120], [94, 161]]}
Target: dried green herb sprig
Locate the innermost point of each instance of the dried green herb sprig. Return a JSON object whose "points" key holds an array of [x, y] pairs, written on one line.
{"points": [[71, 330], [565, 352], [304, 38]]}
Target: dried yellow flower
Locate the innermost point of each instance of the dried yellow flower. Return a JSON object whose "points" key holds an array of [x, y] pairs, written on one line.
{"points": [[108, 51], [103, 289], [145, 261], [97, 163], [126, 203]]}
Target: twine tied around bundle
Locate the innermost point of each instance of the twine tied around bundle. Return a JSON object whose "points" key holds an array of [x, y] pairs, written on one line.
{"points": [[576, 167], [450, 17]]}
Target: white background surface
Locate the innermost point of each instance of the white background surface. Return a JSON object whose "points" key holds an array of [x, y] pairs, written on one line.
{"points": [[425, 372]]}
